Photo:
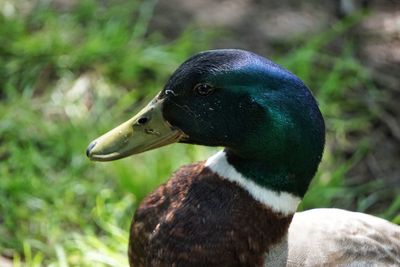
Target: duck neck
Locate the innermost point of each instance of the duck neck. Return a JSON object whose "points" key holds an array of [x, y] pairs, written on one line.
{"points": [[270, 216], [255, 179]]}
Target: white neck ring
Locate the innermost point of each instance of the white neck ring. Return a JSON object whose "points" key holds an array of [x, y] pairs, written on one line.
{"points": [[281, 202]]}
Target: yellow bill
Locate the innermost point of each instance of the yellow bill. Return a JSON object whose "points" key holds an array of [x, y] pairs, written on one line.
{"points": [[145, 131]]}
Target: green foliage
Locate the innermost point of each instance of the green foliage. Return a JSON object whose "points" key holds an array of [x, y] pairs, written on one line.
{"points": [[107, 38], [59, 209]]}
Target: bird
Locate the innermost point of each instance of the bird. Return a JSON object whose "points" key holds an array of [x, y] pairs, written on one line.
{"points": [[238, 207]]}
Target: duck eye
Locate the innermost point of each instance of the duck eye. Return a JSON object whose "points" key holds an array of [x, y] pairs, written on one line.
{"points": [[203, 89]]}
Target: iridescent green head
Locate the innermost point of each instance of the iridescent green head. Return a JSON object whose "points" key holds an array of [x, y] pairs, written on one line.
{"points": [[265, 117]]}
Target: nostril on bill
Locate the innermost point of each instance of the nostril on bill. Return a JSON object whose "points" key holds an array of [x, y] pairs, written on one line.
{"points": [[90, 147], [143, 120]]}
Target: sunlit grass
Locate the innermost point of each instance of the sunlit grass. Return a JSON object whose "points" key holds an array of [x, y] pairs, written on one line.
{"points": [[58, 208]]}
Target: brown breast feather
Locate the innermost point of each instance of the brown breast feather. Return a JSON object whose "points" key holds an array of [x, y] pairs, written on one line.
{"points": [[200, 219]]}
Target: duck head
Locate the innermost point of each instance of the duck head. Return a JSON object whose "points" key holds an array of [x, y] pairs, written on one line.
{"points": [[265, 117]]}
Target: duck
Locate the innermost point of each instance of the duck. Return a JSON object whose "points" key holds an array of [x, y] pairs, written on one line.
{"points": [[238, 207]]}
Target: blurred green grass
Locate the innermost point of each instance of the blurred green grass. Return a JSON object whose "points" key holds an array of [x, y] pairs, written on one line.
{"points": [[58, 208]]}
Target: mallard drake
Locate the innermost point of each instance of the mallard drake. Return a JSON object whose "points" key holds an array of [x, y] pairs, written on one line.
{"points": [[238, 207]]}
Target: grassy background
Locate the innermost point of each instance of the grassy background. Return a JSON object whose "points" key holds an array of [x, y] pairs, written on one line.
{"points": [[67, 77]]}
